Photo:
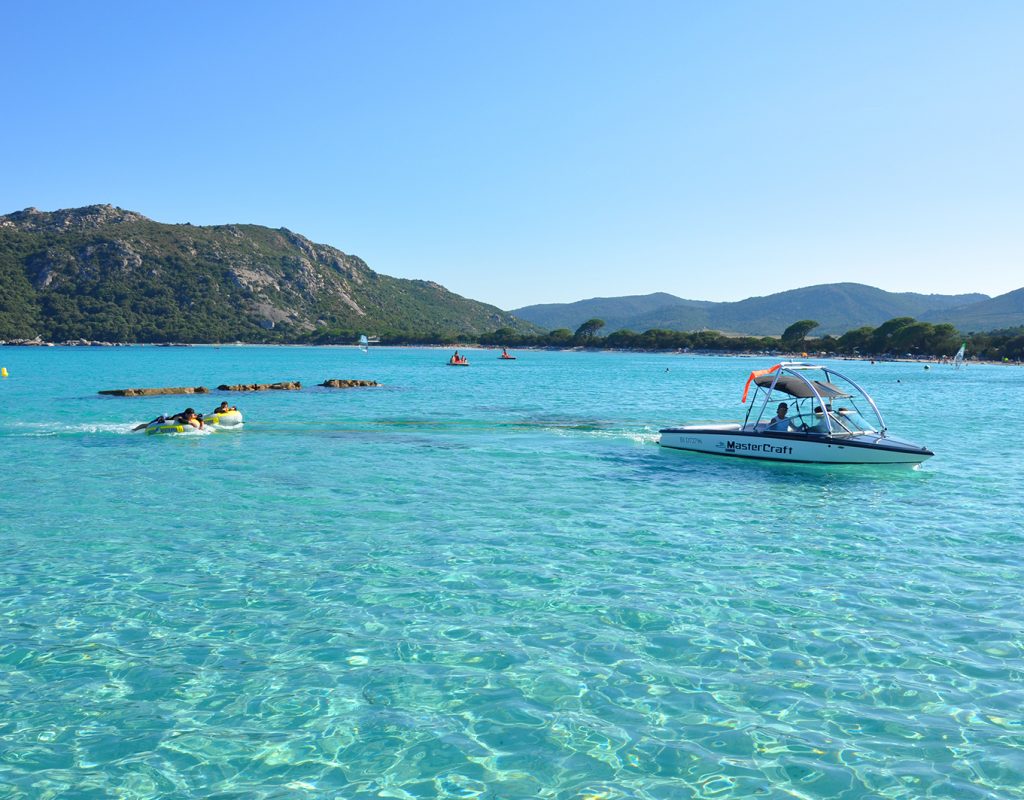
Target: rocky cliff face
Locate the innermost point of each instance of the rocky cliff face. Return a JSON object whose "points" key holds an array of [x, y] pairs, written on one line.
{"points": [[86, 218], [101, 272]]}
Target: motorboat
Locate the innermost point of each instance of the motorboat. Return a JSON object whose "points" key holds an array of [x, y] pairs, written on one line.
{"points": [[829, 419]]}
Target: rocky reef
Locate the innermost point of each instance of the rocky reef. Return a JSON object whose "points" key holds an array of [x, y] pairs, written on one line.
{"points": [[155, 391], [333, 383], [341, 383], [260, 387]]}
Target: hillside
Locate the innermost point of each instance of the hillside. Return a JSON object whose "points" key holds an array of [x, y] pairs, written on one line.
{"points": [[1004, 311], [617, 312], [101, 272], [839, 307]]}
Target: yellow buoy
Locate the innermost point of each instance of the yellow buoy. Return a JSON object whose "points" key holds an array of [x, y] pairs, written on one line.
{"points": [[3, 372]]}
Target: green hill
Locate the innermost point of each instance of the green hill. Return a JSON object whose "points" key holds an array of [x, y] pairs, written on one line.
{"points": [[617, 312], [104, 273], [1004, 311], [839, 307]]}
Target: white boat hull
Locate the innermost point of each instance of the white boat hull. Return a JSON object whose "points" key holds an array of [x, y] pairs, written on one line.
{"points": [[732, 440]]}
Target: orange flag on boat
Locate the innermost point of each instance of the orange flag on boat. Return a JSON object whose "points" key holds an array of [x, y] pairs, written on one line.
{"points": [[757, 373]]}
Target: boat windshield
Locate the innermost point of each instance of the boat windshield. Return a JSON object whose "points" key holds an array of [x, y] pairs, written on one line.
{"points": [[841, 420]]}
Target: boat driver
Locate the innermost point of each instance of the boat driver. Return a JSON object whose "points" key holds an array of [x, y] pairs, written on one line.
{"points": [[779, 421]]}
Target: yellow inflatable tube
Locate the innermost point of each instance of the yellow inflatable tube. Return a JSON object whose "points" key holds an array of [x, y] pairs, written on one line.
{"points": [[229, 419], [170, 427]]}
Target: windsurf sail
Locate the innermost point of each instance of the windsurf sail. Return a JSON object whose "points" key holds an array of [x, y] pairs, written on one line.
{"points": [[958, 359], [364, 343]]}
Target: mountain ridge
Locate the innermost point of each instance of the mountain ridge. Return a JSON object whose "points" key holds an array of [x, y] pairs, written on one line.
{"points": [[839, 307], [1002, 311], [101, 272]]}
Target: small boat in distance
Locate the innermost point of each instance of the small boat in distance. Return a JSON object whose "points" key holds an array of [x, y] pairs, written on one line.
{"points": [[823, 419], [505, 356], [458, 361]]}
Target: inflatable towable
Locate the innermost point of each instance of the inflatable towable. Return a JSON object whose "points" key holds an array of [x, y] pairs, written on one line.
{"points": [[170, 426], [229, 419]]}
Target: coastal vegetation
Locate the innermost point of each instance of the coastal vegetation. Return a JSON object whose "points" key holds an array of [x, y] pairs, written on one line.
{"points": [[896, 338]]}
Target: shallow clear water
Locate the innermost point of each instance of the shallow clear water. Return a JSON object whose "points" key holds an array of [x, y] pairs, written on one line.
{"points": [[490, 582]]}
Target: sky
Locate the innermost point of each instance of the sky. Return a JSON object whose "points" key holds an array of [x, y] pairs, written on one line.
{"points": [[538, 152]]}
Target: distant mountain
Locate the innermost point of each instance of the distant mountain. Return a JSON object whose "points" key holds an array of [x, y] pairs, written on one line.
{"points": [[839, 307], [617, 312], [1004, 311], [101, 272]]}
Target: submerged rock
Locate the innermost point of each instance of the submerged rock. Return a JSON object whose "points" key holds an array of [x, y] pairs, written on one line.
{"points": [[164, 390], [259, 387], [341, 383]]}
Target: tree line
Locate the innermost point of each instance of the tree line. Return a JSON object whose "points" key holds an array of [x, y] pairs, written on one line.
{"points": [[159, 319], [898, 337]]}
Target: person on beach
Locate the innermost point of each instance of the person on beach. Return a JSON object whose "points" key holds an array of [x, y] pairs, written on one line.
{"points": [[779, 421]]}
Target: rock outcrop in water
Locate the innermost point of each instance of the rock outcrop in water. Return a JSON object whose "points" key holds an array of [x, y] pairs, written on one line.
{"points": [[164, 390], [260, 387], [341, 383]]}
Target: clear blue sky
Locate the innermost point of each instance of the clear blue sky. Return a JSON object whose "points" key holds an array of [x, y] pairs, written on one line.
{"points": [[547, 151]]}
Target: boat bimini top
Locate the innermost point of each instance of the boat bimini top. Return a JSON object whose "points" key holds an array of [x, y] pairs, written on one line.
{"points": [[820, 401]]}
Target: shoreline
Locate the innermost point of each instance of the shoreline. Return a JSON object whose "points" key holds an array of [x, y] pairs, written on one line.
{"points": [[925, 360]]}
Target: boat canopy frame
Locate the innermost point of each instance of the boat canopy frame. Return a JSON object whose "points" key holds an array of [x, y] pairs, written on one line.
{"points": [[789, 378]]}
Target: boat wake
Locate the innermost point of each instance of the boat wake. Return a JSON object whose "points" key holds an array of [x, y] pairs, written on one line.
{"points": [[66, 428], [646, 435], [573, 428], [42, 429]]}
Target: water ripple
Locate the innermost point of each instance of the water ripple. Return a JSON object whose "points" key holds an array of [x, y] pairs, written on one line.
{"points": [[468, 587]]}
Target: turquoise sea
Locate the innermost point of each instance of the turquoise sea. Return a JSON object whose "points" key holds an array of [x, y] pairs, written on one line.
{"points": [[492, 583]]}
